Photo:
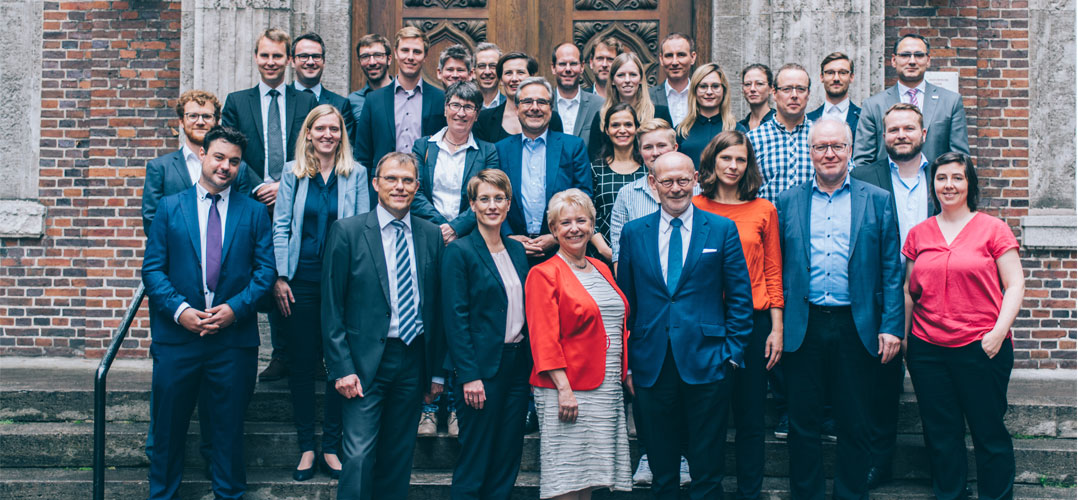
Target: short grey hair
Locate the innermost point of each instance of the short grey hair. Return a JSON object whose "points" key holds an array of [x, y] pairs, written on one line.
{"points": [[571, 197], [458, 52], [533, 80], [828, 119], [465, 90], [485, 46]]}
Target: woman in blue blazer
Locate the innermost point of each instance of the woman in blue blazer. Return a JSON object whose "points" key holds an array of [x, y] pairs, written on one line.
{"points": [[322, 185], [483, 277]]}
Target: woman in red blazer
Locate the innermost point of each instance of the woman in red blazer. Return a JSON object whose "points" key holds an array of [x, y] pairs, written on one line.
{"points": [[576, 323]]}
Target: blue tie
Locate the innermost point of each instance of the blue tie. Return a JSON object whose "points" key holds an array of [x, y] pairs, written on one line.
{"points": [[673, 256], [407, 327]]}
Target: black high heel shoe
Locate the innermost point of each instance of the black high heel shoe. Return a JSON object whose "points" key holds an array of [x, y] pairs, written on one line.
{"points": [[305, 474], [333, 473]]}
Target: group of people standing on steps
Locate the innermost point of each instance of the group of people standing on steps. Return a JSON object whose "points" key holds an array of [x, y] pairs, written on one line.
{"points": [[527, 253]]}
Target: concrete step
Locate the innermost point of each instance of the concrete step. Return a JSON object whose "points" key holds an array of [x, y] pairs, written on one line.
{"points": [[274, 445], [271, 484], [1042, 404]]}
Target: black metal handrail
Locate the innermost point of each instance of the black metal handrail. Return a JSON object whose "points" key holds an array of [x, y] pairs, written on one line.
{"points": [[99, 391]]}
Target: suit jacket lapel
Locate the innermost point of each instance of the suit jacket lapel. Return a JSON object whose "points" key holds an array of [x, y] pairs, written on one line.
{"points": [[388, 102], [419, 241], [651, 247], [373, 235], [485, 256], [858, 202], [700, 230], [852, 114], [189, 209], [428, 100], [291, 96], [255, 102], [235, 213], [805, 208], [553, 154], [472, 164], [929, 104], [180, 164]]}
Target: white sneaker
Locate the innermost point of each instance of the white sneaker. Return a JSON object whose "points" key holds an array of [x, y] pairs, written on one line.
{"points": [[452, 425], [428, 424], [643, 471], [685, 477]]}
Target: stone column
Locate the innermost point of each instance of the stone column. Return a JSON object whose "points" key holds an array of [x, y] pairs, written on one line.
{"points": [[219, 35], [775, 32]]}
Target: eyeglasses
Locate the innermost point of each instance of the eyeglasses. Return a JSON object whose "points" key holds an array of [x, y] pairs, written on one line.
{"points": [[312, 57], [497, 200], [195, 117], [907, 55], [669, 183], [793, 89], [832, 73], [456, 107], [372, 55], [529, 102], [392, 179], [822, 148], [714, 87]]}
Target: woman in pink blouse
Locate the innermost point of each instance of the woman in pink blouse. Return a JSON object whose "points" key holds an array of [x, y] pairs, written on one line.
{"points": [[963, 290]]}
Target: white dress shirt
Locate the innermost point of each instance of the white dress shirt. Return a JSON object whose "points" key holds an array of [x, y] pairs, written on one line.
{"points": [[263, 92], [837, 111], [203, 203], [448, 178], [389, 246], [678, 102], [317, 89], [903, 96], [664, 236], [194, 165], [568, 109]]}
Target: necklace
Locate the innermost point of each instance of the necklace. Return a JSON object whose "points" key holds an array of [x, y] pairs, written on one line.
{"points": [[446, 138], [571, 263]]}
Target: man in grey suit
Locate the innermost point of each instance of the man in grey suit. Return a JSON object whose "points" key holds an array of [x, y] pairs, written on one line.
{"points": [[677, 55], [844, 310], [943, 112], [384, 345], [576, 108]]}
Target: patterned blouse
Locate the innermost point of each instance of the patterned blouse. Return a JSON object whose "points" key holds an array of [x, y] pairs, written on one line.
{"points": [[605, 183]]}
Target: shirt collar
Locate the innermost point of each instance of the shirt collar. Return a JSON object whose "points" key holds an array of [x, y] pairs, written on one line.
{"points": [[845, 185], [670, 90], [902, 89], [187, 152], [439, 139], [575, 99], [894, 166], [317, 89], [264, 89], [686, 216], [385, 218], [203, 194], [538, 140], [842, 106], [397, 87]]}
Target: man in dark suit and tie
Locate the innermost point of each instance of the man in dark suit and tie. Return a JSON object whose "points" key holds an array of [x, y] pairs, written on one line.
{"points": [[943, 112], [199, 111], [271, 116], [842, 279], [684, 274], [836, 74], [384, 344], [396, 115], [308, 62], [540, 162], [209, 259], [903, 173], [576, 107]]}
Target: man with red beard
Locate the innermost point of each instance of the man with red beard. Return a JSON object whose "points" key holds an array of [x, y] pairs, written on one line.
{"points": [[836, 74]]}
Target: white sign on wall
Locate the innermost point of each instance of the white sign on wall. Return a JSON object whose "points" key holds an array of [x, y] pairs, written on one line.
{"points": [[945, 79]]}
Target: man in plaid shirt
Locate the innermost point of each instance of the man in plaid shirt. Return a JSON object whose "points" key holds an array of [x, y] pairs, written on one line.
{"points": [[781, 144]]}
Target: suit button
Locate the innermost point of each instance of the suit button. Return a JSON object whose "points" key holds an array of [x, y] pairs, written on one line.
{"points": [[382, 340], [805, 298], [808, 268], [668, 328], [389, 315]]}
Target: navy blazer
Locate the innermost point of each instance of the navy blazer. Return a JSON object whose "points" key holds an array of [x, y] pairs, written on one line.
{"points": [[474, 305], [172, 268], [243, 112], [852, 115], [167, 175], [706, 321], [377, 127], [566, 167], [875, 269], [474, 161]]}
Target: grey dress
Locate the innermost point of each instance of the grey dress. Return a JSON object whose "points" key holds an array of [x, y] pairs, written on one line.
{"points": [[593, 452]]}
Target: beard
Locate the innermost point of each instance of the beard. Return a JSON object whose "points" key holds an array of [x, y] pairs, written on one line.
{"points": [[893, 153]]}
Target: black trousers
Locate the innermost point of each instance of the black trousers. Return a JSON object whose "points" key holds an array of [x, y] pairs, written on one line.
{"points": [[883, 412], [956, 384], [673, 412], [303, 334], [492, 439], [380, 427], [830, 355], [749, 399]]}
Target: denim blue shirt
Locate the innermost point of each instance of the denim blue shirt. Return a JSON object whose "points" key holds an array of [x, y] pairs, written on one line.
{"points": [[533, 182], [829, 245], [911, 198]]}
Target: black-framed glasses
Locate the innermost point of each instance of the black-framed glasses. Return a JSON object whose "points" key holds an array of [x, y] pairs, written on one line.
{"points": [[313, 57], [831, 73], [822, 148], [456, 107], [907, 55]]}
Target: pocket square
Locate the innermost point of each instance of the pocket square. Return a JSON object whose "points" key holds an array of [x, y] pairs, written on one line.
{"points": [[710, 250]]}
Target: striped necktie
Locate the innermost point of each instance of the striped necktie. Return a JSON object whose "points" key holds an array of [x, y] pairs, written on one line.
{"points": [[407, 302]]}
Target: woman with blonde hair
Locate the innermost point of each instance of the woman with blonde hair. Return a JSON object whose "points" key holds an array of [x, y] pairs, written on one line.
{"points": [[708, 111], [322, 185], [627, 83]]}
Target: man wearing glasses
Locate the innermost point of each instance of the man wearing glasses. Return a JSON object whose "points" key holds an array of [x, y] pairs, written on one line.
{"points": [[781, 143], [540, 162], [836, 75], [374, 57], [308, 61], [944, 114], [844, 310]]}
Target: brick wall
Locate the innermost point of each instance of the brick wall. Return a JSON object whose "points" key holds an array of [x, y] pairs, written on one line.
{"points": [[111, 73], [987, 43]]}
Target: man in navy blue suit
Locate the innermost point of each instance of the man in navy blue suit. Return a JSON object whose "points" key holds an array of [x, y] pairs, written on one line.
{"points": [[690, 313], [836, 74], [208, 260], [308, 61], [540, 163], [842, 279]]}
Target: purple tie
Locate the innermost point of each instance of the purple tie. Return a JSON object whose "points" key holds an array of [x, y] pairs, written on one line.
{"points": [[213, 245], [913, 96]]}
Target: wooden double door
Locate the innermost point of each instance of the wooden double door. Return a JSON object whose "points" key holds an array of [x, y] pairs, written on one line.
{"points": [[537, 26]]}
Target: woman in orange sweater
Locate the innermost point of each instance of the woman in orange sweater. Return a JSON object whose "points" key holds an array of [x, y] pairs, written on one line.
{"points": [[729, 181]]}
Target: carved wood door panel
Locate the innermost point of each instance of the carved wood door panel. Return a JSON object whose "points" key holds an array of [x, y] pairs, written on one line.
{"points": [[536, 26]]}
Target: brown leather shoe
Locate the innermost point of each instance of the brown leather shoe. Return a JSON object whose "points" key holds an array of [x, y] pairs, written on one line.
{"points": [[276, 370]]}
